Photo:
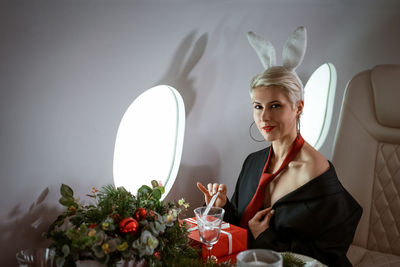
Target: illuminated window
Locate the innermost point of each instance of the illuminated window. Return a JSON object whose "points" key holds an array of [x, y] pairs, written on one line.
{"points": [[150, 139], [319, 94]]}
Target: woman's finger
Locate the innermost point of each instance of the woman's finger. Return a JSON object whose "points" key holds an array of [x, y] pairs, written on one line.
{"points": [[215, 188], [202, 188], [260, 215], [222, 189], [267, 218], [269, 215], [209, 186], [222, 192]]}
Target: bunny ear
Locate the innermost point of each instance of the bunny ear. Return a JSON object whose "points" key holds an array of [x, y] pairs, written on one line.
{"points": [[264, 49], [294, 49]]}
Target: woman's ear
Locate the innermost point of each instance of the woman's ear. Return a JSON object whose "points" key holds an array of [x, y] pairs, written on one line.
{"points": [[299, 107]]}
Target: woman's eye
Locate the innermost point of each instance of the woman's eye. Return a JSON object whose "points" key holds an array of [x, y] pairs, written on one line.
{"points": [[273, 106], [257, 107]]}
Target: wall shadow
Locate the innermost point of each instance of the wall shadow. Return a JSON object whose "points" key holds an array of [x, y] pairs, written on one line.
{"points": [[187, 55], [188, 175], [24, 229], [178, 75]]}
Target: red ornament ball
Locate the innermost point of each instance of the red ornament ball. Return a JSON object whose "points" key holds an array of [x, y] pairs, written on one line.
{"points": [[140, 214], [92, 226], [157, 254], [129, 226]]}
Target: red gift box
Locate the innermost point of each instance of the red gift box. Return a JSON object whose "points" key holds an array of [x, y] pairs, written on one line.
{"points": [[232, 240]]}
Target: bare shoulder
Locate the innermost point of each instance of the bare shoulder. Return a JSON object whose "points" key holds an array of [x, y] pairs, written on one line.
{"points": [[310, 163]]}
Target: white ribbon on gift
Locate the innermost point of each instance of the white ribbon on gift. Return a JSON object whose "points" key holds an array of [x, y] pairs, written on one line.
{"points": [[230, 241], [193, 221], [223, 226]]}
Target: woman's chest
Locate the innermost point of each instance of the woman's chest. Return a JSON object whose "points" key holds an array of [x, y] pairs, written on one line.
{"points": [[284, 183]]}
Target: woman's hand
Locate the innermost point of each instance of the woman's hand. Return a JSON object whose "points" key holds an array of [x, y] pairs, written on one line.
{"points": [[260, 222], [212, 190]]}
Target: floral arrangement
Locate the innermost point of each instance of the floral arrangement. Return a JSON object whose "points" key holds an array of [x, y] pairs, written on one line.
{"points": [[120, 227]]}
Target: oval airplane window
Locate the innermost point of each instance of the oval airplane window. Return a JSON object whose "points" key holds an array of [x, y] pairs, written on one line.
{"points": [[319, 95], [150, 139]]}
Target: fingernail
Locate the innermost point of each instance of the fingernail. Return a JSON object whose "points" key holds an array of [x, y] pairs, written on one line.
{"points": [[272, 211]]}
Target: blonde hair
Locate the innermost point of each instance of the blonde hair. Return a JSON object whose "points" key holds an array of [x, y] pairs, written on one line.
{"points": [[281, 77]]}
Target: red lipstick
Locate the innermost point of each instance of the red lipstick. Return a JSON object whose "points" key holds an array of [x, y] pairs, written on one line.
{"points": [[268, 128]]}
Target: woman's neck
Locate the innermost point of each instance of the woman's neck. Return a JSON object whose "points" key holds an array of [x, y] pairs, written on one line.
{"points": [[282, 146]]}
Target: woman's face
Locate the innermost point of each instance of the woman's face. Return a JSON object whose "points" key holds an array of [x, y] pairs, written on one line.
{"points": [[273, 113]]}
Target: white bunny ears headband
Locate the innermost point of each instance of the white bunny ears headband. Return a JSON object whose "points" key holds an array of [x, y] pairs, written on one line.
{"points": [[292, 54]]}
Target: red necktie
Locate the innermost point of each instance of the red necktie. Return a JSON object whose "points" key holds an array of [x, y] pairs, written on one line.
{"points": [[258, 199]]}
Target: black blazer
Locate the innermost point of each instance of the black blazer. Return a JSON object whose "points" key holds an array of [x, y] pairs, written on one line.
{"points": [[318, 219]]}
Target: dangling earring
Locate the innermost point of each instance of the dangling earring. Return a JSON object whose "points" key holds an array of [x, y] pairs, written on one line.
{"points": [[251, 136], [298, 125], [300, 111]]}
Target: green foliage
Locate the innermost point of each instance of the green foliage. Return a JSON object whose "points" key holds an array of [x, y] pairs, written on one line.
{"points": [[67, 196], [113, 200], [175, 245], [185, 262], [290, 260], [66, 191], [115, 229], [150, 197]]}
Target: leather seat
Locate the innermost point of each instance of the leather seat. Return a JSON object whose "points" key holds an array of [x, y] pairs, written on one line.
{"points": [[367, 159]]}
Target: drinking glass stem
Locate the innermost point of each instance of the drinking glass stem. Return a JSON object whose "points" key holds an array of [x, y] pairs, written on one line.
{"points": [[209, 253]]}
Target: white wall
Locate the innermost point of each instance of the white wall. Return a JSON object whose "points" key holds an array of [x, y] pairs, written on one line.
{"points": [[69, 69]]}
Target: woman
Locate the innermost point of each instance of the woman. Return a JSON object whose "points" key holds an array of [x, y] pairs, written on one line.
{"points": [[288, 195]]}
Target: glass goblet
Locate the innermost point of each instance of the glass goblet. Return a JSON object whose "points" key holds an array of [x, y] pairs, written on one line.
{"points": [[209, 226], [37, 257]]}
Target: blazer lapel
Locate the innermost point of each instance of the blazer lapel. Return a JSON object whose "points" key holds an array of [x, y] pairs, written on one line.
{"points": [[323, 185]]}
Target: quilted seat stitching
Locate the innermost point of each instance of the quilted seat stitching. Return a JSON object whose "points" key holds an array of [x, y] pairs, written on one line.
{"points": [[384, 226]]}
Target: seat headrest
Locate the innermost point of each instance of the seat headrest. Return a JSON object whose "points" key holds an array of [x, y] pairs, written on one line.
{"points": [[385, 80]]}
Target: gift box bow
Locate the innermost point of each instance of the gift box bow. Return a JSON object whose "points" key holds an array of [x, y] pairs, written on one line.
{"points": [[224, 225]]}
